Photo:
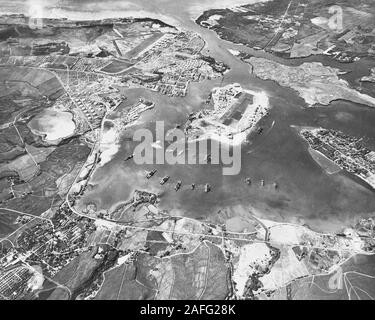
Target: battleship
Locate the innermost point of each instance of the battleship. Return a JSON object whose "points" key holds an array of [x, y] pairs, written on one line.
{"points": [[129, 157], [164, 180], [208, 100], [151, 173], [207, 188], [178, 185]]}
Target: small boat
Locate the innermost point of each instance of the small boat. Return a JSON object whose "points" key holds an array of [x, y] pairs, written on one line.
{"points": [[178, 185], [262, 183], [164, 180], [208, 100], [129, 157], [275, 185], [207, 188], [248, 181], [151, 173], [192, 186]]}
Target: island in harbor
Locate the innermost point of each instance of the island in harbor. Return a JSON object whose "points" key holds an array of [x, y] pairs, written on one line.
{"points": [[235, 114]]}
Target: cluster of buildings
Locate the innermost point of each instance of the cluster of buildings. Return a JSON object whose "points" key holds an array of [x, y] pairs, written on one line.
{"points": [[172, 62], [17, 46], [347, 152], [365, 228], [94, 100], [44, 248], [224, 97], [14, 281], [89, 91], [133, 113], [52, 247], [89, 99], [322, 252], [166, 65]]}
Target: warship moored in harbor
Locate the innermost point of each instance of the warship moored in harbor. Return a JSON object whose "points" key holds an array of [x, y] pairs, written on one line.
{"points": [[129, 157], [151, 173], [178, 185], [207, 188], [164, 180]]}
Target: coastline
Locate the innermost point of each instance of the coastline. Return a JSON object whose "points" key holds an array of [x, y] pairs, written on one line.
{"points": [[205, 41], [329, 166]]}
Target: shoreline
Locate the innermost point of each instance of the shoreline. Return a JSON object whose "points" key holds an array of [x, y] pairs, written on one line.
{"points": [[325, 158], [205, 40]]}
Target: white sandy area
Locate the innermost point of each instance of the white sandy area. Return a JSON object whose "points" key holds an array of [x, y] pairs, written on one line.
{"points": [[37, 280], [153, 209], [234, 52], [251, 256], [54, 125], [167, 236], [105, 224], [216, 17], [121, 260], [167, 225], [286, 269], [286, 233], [371, 180], [109, 145], [187, 225]]}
